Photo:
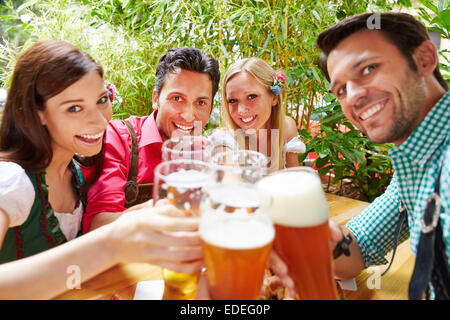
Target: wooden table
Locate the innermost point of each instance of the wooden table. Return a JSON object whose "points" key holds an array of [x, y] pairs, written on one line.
{"points": [[120, 281], [393, 285]]}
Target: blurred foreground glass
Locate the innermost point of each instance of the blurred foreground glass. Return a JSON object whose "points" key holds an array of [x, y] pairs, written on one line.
{"points": [[182, 182], [242, 165], [237, 233], [237, 236], [299, 212], [187, 147]]}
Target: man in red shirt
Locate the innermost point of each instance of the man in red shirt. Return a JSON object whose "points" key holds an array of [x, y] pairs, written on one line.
{"points": [[185, 85]]}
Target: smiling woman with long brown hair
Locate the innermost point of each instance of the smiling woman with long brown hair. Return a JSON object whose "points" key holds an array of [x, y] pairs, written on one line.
{"points": [[55, 116]]}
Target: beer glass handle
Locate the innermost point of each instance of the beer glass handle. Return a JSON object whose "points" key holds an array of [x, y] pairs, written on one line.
{"points": [[343, 247]]}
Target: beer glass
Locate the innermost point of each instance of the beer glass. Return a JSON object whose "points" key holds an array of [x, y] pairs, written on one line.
{"points": [[182, 182], [187, 147], [299, 212], [235, 229], [240, 165]]}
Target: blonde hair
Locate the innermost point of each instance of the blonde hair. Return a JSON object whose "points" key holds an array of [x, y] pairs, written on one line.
{"points": [[263, 73]]}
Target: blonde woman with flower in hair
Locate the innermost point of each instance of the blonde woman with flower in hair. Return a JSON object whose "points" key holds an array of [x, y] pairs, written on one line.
{"points": [[255, 115]]}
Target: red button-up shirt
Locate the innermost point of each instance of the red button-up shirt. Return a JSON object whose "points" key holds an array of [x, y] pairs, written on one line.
{"points": [[107, 193]]}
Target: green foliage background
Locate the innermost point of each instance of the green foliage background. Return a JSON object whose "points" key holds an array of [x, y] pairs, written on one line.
{"points": [[127, 37]]}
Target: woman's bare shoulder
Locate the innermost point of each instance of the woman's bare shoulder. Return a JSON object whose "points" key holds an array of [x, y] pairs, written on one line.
{"points": [[290, 128]]}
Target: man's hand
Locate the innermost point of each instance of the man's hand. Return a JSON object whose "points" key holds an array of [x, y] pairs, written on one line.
{"points": [[345, 267], [281, 278], [336, 234]]}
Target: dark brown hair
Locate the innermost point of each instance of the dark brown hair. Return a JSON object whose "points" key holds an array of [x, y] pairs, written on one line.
{"points": [[190, 59], [41, 72], [401, 29]]}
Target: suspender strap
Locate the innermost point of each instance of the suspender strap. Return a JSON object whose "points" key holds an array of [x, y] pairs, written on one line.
{"points": [[402, 217], [131, 187], [431, 262], [440, 277]]}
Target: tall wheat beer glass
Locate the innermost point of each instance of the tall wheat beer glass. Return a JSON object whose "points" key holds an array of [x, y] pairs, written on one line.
{"points": [[237, 237], [236, 231], [300, 214], [182, 182]]}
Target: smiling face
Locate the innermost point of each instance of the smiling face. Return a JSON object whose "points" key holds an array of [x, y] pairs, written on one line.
{"points": [[249, 102], [378, 91], [77, 117], [185, 99]]}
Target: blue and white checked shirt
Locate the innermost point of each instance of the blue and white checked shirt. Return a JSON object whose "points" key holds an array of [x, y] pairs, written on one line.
{"points": [[416, 162]]}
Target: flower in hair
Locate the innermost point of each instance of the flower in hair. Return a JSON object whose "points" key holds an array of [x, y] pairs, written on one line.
{"points": [[114, 97], [275, 89], [280, 76], [279, 80], [111, 90]]}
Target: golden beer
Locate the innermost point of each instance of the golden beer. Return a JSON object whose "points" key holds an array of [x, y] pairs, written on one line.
{"points": [[300, 216], [237, 238], [179, 286], [235, 274], [183, 186], [185, 199], [308, 259]]}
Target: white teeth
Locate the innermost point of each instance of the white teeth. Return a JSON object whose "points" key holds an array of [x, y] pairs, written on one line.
{"points": [[370, 112], [92, 136], [245, 120], [183, 127]]}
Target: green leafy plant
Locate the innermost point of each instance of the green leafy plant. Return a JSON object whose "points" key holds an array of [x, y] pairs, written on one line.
{"points": [[127, 37], [359, 167], [437, 16]]}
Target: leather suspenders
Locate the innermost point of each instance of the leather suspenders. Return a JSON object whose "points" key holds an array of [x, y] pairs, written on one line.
{"points": [[135, 193], [431, 261]]}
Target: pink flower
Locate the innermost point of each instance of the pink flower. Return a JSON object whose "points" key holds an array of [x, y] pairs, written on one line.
{"points": [[280, 76], [112, 89]]}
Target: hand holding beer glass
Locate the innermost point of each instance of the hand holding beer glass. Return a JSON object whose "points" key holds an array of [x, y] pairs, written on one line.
{"points": [[300, 214], [182, 182], [236, 231]]}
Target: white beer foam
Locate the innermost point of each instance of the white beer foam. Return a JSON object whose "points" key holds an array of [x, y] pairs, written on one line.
{"points": [[297, 198], [188, 179], [237, 195], [239, 229], [236, 233]]}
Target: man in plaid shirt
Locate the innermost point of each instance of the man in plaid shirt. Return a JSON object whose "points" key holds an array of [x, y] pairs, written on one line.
{"points": [[384, 71]]}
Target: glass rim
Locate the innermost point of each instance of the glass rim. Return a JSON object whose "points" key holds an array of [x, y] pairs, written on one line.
{"points": [[223, 153], [305, 169], [299, 168], [179, 139], [187, 147], [159, 175]]}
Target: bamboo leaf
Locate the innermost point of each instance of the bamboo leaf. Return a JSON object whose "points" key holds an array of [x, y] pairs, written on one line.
{"points": [[429, 5]]}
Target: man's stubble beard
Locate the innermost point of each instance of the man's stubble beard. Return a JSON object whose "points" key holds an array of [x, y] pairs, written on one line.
{"points": [[411, 99]]}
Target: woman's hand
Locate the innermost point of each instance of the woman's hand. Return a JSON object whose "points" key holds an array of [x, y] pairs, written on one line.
{"points": [[158, 235], [146, 204]]}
